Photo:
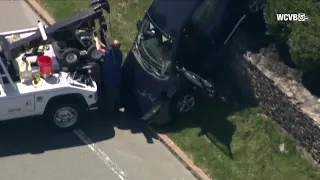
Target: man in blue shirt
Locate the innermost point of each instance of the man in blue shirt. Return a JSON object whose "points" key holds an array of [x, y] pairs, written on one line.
{"points": [[111, 74]]}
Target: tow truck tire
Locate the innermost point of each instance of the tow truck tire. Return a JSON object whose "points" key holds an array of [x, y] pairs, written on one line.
{"points": [[66, 116], [182, 102], [70, 57], [93, 53]]}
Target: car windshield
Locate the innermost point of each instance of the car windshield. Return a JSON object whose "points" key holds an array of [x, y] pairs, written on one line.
{"points": [[154, 46]]}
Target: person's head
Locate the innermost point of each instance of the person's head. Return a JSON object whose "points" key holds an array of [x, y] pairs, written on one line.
{"points": [[116, 44]]}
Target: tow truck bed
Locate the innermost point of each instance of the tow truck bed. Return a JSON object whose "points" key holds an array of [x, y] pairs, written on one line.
{"points": [[70, 22]]}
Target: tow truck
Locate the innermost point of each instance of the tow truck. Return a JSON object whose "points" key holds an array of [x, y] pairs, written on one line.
{"points": [[61, 96]]}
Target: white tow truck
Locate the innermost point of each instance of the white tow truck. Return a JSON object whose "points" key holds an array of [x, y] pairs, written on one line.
{"points": [[63, 98]]}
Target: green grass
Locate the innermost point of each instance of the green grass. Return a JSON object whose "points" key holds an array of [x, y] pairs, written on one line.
{"points": [[241, 145], [123, 16], [228, 145]]}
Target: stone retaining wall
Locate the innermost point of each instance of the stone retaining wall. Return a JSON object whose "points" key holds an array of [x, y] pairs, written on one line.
{"points": [[278, 91]]}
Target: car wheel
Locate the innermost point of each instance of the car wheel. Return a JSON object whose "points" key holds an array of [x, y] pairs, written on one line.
{"points": [[70, 57], [182, 103], [93, 53], [65, 116], [255, 6]]}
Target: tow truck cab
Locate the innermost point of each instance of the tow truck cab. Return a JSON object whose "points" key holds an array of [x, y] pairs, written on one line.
{"points": [[174, 51]]}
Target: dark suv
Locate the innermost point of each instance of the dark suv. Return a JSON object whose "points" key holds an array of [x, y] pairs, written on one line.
{"points": [[169, 56]]}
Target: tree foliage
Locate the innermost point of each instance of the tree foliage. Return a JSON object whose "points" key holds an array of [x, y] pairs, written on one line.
{"points": [[303, 38]]}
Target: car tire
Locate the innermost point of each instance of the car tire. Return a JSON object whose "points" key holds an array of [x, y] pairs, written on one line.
{"points": [[182, 102], [70, 57], [55, 111], [94, 54]]}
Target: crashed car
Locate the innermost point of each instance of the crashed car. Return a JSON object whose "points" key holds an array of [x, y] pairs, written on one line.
{"points": [[169, 61]]}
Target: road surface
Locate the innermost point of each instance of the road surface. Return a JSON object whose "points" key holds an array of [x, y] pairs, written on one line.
{"points": [[103, 149]]}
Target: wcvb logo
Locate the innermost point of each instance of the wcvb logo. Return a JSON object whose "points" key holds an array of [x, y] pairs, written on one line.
{"points": [[292, 17]]}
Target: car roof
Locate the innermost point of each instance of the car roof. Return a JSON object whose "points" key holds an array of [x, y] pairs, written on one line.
{"points": [[172, 15]]}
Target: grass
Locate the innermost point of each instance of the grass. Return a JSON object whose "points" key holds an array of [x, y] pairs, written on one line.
{"points": [[239, 145], [226, 144], [123, 16]]}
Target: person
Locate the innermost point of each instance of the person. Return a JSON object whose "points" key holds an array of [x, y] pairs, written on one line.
{"points": [[111, 75]]}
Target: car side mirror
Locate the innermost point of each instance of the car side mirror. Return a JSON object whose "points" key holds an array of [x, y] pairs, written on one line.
{"points": [[138, 24]]}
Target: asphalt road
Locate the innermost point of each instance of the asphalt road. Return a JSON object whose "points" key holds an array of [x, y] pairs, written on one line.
{"points": [[102, 149]]}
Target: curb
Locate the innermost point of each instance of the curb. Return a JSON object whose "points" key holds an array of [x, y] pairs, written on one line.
{"points": [[43, 14], [164, 139], [180, 155]]}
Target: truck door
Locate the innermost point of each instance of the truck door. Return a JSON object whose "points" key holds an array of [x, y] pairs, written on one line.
{"points": [[148, 66]]}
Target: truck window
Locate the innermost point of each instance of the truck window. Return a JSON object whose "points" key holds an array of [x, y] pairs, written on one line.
{"points": [[204, 14]]}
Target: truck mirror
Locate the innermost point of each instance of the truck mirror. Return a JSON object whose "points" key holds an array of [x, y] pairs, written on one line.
{"points": [[138, 24]]}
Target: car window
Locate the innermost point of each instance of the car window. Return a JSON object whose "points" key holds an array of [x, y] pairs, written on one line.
{"points": [[155, 46], [204, 14]]}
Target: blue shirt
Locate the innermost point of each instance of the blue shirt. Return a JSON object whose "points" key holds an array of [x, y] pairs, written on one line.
{"points": [[112, 67]]}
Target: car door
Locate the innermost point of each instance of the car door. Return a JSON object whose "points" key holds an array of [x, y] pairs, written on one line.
{"points": [[199, 44], [201, 34], [209, 17]]}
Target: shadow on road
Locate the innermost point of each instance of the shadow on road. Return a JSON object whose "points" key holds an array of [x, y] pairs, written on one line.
{"points": [[127, 123], [32, 135]]}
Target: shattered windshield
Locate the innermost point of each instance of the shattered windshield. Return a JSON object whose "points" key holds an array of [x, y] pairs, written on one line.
{"points": [[154, 46]]}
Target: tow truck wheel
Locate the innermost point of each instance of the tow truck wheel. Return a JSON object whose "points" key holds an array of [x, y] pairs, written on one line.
{"points": [[182, 103], [70, 57], [93, 53], [65, 116]]}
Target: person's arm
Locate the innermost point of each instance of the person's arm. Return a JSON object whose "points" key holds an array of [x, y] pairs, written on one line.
{"points": [[98, 45], [102, 45]]}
